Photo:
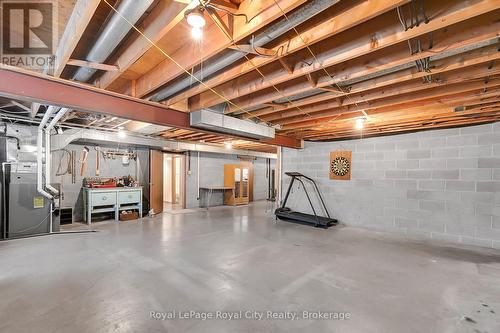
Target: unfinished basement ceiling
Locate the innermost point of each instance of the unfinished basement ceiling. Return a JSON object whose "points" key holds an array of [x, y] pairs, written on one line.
{"points": [[309, 69]]}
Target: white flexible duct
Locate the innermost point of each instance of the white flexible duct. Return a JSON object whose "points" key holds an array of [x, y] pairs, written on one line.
{"points": [[48, 157], [39, 146]]}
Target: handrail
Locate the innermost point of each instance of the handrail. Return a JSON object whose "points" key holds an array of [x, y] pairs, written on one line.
{"points": [[297, 175]]}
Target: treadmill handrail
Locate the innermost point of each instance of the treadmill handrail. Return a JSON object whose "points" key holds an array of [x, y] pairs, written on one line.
{"points": [[309, 199], [298, 175]]}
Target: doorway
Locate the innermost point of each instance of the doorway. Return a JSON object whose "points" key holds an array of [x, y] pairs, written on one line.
{"points": [[168, 181], [173, 182]]}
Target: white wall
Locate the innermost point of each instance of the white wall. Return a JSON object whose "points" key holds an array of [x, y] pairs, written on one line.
{"points": [[167, 177]]}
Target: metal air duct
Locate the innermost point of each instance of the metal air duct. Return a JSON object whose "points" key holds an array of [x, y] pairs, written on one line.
{"points": [[60, 141], [112, 35], [217, 122]]}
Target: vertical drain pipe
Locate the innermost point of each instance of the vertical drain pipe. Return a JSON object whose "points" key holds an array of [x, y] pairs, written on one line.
{"points": [[39, 144], [48, 157], [198, 176], [278, 173]]}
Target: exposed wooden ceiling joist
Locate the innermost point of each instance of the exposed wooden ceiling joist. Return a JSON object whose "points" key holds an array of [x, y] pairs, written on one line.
{"points": [[458, 75], [398, 98], [164, 17], [365, 69], [78, 22], [262, 13], [456, 38], [347, 18], [348, 49]]}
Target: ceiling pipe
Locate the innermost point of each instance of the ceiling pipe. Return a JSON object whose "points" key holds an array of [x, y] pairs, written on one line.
{"points": [[310, 9], [112, 35], [39, 146], [48, 157]]}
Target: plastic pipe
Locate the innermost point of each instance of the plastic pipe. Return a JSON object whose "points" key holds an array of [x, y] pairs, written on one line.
{"points": [[39, 146], [48, 156]]}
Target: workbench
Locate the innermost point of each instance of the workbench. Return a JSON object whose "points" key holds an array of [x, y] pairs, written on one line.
{"points": [[115, 199], [209, 190]]}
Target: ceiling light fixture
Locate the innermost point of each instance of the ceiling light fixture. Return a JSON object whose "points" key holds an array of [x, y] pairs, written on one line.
{"points": [[195, 17], [360, 123], [229, 145], [196, 21], [196, 33]]}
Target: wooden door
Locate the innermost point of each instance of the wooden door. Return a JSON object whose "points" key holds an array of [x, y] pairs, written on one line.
{"points": [[229, 196], [156, 181]]}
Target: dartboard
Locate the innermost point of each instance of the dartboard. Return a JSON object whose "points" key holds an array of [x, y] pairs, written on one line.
{"points": [[340, 166]]}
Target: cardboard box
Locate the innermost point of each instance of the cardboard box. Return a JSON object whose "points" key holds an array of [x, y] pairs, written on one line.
{"points": [[124, 216]]}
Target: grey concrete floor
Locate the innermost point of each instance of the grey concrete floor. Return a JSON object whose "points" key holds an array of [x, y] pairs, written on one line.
{"points": [[232, 259]]}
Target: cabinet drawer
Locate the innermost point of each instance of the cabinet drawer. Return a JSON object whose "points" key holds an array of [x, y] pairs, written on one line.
{"points": [[103, 198], [129, 197]]}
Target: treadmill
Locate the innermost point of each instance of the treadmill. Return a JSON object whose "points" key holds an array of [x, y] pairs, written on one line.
{"points": [[286, 214]]}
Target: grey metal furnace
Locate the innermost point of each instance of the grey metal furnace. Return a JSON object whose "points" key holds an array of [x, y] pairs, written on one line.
{"points": [[26, 212]]}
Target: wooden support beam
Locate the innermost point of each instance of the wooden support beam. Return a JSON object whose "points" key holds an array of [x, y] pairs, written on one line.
{"points": [[324, 101], [80, 17], [259, 51], [399, 99], [311, 80], [436, 124], [27, 85], [164, 17], [286, 65], [133, 91], [228, 26], [452, 39], [94, 65], [35, 107], [22, 106], [353, 44], [410, 119], [263, 12], [345, 19], [77, 23], [382, 115], [225, 5], [454, 69]]}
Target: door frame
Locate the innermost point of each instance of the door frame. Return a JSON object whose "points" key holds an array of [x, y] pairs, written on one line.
{"points": [[152, 182], [182, 187]]}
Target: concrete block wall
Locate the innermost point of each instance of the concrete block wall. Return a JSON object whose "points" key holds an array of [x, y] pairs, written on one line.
{"points": [[441, 184], [260, 182], [212, 174]]}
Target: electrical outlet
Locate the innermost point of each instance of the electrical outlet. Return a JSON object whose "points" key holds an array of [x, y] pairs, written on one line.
{"points": [[189, 172]]}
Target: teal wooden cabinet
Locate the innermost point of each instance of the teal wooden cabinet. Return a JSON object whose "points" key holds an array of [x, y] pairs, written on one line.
{"points": [[104, 200]]}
